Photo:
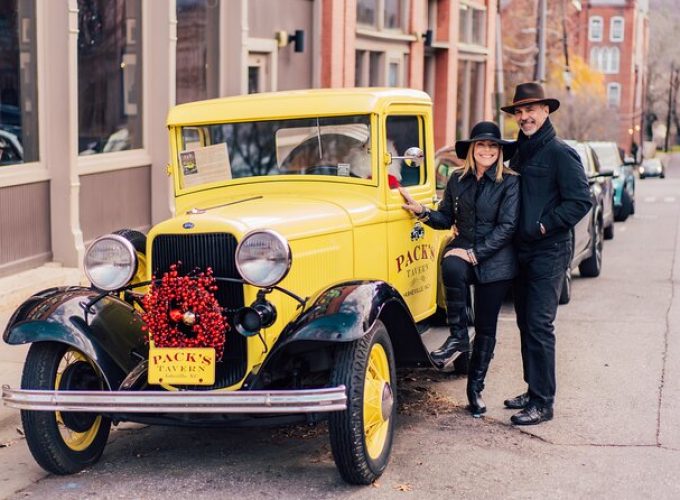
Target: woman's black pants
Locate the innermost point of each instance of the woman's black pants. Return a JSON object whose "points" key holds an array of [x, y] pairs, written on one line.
{"points": [[458, 275]]}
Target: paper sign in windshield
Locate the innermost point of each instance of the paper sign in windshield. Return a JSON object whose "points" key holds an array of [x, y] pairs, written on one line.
{"points": [[204, 165]]}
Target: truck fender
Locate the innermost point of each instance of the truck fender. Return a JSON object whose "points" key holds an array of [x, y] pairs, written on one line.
{"points": [[347, 311], [110, 334]]}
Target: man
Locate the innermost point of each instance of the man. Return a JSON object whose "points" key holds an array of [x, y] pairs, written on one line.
{"points": [[555, 196]]}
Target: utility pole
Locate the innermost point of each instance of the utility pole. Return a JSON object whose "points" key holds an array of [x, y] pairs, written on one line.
{"points": [[670, 105], [539, 68]]}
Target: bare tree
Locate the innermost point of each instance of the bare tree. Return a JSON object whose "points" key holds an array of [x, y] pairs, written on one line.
{"points": [[664, 24], [584, 116]]}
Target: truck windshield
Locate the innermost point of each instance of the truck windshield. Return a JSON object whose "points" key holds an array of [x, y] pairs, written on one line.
{"points": [[336, 146]]}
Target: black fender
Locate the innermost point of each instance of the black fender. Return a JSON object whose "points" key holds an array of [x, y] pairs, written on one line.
{"points": [[110, 334], [346, 312]]}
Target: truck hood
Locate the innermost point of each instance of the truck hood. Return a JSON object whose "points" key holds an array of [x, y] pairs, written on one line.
{"points": [[301, 217]]}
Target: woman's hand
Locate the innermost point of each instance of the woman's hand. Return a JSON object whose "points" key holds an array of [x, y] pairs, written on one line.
{"points": [[411, 205], [458, 252]]}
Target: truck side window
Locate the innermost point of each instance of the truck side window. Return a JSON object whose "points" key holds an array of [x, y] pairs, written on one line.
{"points": [[404, 132]]}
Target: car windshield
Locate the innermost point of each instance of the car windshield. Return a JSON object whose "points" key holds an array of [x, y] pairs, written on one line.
{"points": [[609, 157], [336, 146]]}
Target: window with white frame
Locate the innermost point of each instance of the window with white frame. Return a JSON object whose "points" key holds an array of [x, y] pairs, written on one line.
{"points": [[109, 76], [605, 59], [614, 94], [470, 101], [616, 26], [382, 14], [18, 83], [613, 61], [375, 68], [594, 58], [595, 29], [471, 24]]}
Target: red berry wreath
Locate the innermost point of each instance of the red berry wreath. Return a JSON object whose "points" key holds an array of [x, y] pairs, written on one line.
{"points": [[182, 311]]}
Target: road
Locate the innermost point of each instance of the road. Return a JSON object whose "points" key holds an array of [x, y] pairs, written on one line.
{"points": [[616, 432]]}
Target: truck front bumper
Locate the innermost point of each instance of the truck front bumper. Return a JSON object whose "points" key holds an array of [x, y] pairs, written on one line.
{"points": [[279, 401]]}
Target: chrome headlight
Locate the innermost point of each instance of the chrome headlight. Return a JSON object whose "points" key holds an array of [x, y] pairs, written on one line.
{"points": [[263, 257], [110, 262]]}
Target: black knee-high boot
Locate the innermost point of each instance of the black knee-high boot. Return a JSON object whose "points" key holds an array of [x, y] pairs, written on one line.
{"points": [[456, 316], [482, 353]]}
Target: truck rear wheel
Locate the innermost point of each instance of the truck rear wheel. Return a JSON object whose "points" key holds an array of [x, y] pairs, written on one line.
{"points": [[361, 436]]}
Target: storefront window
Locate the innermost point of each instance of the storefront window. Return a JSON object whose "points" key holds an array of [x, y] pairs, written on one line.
{"points": [[198, 40], [18, 83], [109, 76]]}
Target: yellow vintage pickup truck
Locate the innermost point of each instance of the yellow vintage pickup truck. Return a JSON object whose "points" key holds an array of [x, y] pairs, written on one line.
{"points": [[289, 285]]}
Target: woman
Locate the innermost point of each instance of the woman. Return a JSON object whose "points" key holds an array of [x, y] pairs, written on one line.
{"points": [[481, 201]]}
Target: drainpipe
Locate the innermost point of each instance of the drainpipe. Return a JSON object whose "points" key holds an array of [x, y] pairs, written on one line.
{"points": [[500, 83]]}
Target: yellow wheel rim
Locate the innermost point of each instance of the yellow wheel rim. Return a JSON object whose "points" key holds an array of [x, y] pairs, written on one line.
{"points": [[377, 401], [76, 441]]}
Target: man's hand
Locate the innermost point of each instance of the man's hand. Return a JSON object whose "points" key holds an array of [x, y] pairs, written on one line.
{"points": [[458, 252], [411, 205]]}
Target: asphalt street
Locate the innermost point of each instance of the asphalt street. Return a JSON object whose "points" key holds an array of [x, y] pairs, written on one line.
{"points": [[616, 432]]}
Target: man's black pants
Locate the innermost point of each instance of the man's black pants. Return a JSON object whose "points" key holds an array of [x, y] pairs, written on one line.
{"points": [[537, 291]]}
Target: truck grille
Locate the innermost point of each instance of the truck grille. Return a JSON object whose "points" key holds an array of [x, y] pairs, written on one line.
{"points": [[216, 250]]}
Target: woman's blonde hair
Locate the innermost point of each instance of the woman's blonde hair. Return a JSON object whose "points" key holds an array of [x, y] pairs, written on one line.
{"points": [[470, 167]]}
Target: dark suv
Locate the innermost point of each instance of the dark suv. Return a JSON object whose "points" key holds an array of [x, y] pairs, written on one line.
{"points": [[589, 233]]}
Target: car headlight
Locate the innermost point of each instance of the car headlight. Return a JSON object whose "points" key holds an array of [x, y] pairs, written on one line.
{"points": [[641, 170], [110, 262], [263, 257]]}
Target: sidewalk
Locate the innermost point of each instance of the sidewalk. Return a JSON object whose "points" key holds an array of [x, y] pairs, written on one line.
{"points": [[14, 289]]}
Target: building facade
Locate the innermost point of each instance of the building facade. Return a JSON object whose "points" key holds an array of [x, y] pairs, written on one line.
{"points": [[614, 39], [85, 87]]}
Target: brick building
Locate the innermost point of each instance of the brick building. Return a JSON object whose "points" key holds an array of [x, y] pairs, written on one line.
{"points": [[85, 87], [613, 37]]}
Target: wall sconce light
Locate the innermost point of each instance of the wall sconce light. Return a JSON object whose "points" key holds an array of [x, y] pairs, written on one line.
{"points": [[427, 38], [283, 38]]}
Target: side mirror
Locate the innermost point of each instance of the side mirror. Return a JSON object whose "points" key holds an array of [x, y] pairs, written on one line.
{"points": [[413, 157]]}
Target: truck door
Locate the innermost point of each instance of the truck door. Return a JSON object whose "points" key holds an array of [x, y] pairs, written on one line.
{"points": [[412, 246]]}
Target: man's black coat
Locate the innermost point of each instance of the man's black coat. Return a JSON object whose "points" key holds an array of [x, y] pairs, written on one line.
{"points": [[554, 187]]}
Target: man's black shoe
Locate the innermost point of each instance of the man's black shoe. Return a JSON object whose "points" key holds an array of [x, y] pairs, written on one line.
{"points": [[518, 402], [532, 415]]}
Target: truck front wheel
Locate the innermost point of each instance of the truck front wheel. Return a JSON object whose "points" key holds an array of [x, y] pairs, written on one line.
{"points": [[63, 442], [361, 436]]}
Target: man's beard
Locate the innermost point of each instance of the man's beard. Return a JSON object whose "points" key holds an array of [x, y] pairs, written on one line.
{"points": [[532, 132]]}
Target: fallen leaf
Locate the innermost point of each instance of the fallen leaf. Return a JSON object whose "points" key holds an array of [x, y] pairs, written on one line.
{"points": [[404, 487]]}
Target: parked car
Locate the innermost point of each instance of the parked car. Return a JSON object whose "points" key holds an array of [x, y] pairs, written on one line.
{"points": [[588, 234], [652, 167], [623, 180], [11, 150], [288, 287]]}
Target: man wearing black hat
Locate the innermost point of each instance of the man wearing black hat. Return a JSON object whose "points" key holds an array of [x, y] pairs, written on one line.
{"points": [[555, 196]]}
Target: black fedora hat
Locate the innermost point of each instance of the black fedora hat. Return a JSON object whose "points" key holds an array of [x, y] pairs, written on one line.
{"points": [[528, 93], [485, 131]]}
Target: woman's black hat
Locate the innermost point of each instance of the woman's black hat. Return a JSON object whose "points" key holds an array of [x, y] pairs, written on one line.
{"points": [[485, 131], [528, 93]]}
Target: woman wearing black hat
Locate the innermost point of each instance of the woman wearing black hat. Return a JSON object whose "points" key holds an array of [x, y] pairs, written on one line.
{"points": [[481, 202]]}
